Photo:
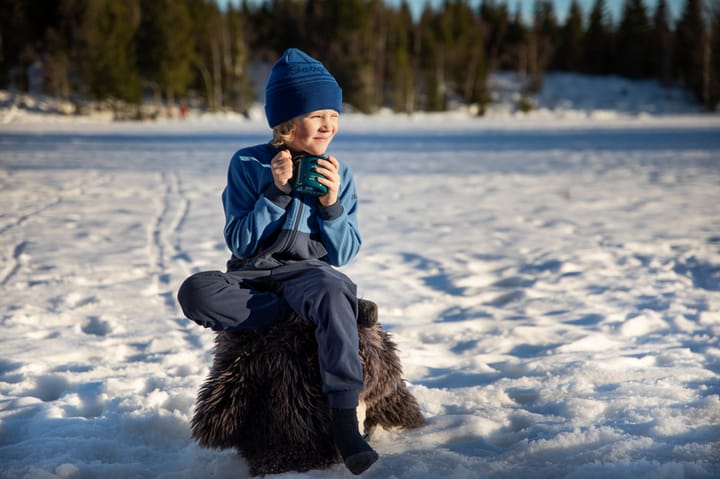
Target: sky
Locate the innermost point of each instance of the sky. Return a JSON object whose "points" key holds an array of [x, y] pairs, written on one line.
{"points": [[561, 6]]}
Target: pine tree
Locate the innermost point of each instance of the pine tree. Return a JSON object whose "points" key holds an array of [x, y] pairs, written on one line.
{"points": [[452, 56], [690, 48], [349, 44], [633, 45], [12, 22], [106, 54], [569, 55], [598, 48], [714, 87], [287, 27], [238, 84], [176, 63], [208, 31], [468, 65], [165, 47], [495, 24], [543, 40], [661, 43], [378, 40], [515, 48], [400, 68], [57, 66], [29, 32], [431, 62], [54, 39]]}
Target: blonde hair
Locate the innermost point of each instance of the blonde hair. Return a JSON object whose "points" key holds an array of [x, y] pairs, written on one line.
{"points": [[283, 133]]}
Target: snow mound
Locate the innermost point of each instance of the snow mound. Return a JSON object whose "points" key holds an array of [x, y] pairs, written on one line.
{"points": [[571, 95]]}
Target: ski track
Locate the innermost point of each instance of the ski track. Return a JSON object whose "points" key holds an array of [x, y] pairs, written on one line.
{"points": [[17, 220], [165, 253], [14, 264], [22, 213]]}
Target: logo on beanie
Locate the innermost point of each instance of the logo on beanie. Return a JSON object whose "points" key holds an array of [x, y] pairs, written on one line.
{"points": [[295, 69]]}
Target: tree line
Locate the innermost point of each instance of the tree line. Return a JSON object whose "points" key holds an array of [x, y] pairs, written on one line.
{"points": [[124, 50]]}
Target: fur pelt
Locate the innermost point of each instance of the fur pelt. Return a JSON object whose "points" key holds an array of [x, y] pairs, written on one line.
{"points": [[264, 397]]}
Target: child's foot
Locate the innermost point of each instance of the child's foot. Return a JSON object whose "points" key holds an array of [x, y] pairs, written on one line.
{"points": [[355, 451], [360, 462]]}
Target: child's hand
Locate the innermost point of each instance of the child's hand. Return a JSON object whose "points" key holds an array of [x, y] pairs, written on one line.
{"points": [[282, 171], [330, 178]]}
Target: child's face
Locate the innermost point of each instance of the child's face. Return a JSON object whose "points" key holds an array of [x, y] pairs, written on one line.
{"points": [[315, 131]]}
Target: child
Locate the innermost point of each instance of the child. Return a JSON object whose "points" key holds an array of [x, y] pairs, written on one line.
{"points": [[283, 243]]}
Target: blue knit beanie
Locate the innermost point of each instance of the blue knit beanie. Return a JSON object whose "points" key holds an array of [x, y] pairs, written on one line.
{"points": [[299, 84]]}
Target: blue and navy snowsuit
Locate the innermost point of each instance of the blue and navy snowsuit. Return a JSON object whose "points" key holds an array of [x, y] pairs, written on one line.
{"points": [[283, 249]]}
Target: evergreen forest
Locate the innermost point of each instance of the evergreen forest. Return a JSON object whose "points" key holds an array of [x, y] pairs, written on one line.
{"points": [[171, 52]]}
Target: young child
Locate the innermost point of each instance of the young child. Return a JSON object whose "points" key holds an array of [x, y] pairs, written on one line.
{"points": [[284, 244]]}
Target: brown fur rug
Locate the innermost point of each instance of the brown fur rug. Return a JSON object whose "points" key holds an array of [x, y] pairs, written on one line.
{"points": [[264, 397]]}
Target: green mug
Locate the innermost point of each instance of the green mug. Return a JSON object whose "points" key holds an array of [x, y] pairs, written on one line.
{"points": [[305, 177]]}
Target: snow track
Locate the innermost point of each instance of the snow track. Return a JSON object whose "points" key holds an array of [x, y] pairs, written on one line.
{"points": [[169, 263]]}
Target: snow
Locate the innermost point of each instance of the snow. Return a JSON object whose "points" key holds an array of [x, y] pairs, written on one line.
{"points": [[568, 95], [552, 280]]}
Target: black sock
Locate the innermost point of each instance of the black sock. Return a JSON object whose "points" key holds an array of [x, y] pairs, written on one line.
{"points": [[355, 451]]}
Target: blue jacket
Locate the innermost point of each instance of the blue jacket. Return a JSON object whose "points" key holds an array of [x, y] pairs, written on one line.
{"points": [[265, 227]]}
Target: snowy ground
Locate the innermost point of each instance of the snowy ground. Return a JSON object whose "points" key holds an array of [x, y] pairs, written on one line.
{"points": [[554, 287]]}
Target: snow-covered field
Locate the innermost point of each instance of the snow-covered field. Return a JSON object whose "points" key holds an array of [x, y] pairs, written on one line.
{"points": [[553, 285]]}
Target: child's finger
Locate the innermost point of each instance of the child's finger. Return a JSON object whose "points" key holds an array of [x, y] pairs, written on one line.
{"points": [[330, 174], [329, 162]]}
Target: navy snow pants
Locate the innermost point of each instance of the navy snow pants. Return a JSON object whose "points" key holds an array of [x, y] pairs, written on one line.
{"points": [[243, 300]]}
